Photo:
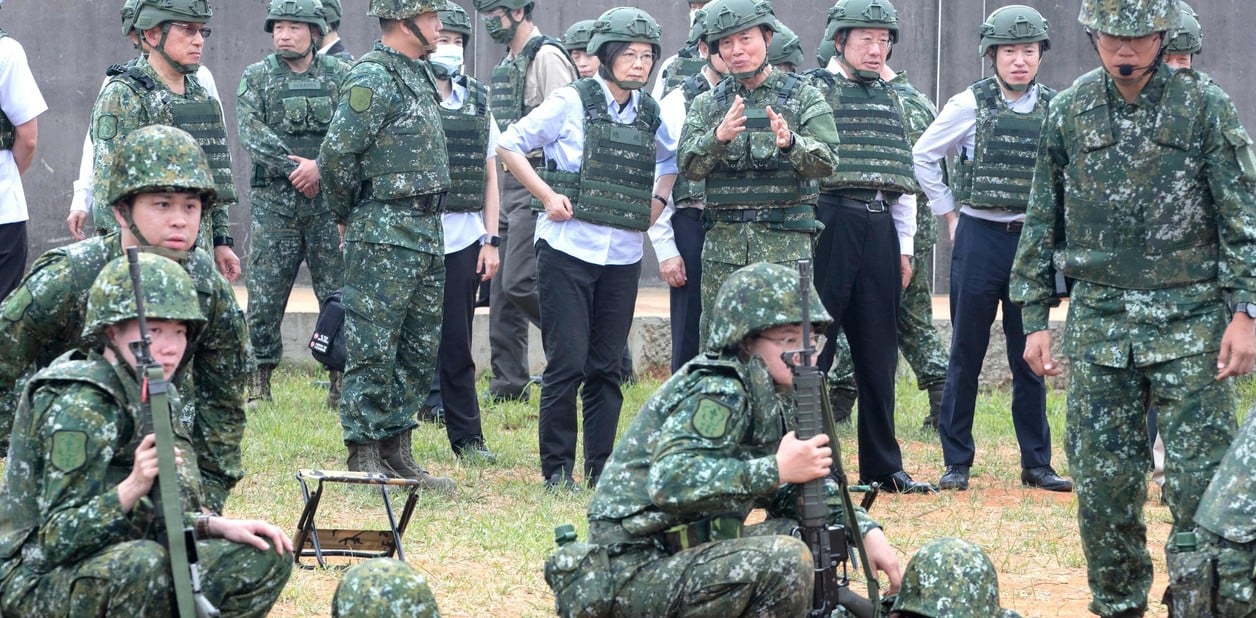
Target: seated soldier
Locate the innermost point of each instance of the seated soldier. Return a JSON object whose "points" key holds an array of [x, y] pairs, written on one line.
{"points": [[79, 526], [382, 588], [709, 446], [949, 577]]}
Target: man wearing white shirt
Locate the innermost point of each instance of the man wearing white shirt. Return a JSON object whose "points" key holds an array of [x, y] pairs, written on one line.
{"points": [[21, 103]]}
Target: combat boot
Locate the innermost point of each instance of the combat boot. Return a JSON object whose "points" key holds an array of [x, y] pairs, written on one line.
{"points": [[396, 453], [364, 457], [843, 401], [334, 378], [935, 408], [259, 384]]}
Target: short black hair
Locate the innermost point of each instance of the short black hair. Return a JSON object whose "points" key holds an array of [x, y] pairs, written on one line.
{"points": [[609, 51]]}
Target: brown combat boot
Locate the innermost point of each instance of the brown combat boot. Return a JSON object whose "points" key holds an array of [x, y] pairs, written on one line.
{"points": [[396, 453], [364, 457], [935, 408], [259, 384], [334, 378]]}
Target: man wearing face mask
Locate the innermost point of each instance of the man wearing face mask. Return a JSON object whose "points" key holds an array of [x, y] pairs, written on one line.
{"points": [[386, 173], [681, 65], [283, 106], [535, 65]]}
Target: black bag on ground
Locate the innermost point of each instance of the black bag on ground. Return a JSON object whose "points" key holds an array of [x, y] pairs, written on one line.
{"points": [[327, 344]]}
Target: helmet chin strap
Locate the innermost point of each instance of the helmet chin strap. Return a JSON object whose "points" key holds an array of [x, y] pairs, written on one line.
{"points": [[427, 46], [171, 254], [185, 69], [857, 74], [1013, 87]]}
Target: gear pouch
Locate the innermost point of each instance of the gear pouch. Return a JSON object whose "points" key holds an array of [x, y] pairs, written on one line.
{"points": [[295, 110], [1235, 586], [580, 576]]}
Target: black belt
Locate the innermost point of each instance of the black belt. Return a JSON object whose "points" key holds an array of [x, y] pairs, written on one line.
{"points": [[426, 203], [715, 528], [1011, 227], [872, 206]]}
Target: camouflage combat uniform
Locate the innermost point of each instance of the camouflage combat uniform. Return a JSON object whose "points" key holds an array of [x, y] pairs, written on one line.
{"points": [[385, 171], [282, 113], [1151, 208], [761, 226], [43, 318]]}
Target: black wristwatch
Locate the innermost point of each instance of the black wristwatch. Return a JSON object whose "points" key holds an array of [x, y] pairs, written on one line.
{"points": [[224, 241], [493, 241], [1248, 309]]}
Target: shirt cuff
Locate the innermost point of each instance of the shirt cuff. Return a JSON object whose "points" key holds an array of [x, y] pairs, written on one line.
{"points": [[942, 205], [906, 245]]}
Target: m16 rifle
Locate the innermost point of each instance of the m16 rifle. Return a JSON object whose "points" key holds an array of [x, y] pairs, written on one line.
{"points": [[828, 542], [155, 418]]}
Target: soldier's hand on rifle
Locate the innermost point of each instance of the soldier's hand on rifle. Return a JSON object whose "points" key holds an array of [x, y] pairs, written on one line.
{"points": [[784, 137], [139, 482], [799, 461], [882, 558], [253, 532], [734, 122], [305, 177]]}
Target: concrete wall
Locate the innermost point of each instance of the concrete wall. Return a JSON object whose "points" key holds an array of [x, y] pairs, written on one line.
{"points": [[70, 43]]}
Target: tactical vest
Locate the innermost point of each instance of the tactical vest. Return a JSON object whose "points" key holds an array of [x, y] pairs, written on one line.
{"points": [[466, 137], [754, 173], [1002, 168], [685, 190], [687, 64], [8, 133], [299, 110], [1139, 209], [403, 162], [508, 79], [616, 177], [874, 152]]}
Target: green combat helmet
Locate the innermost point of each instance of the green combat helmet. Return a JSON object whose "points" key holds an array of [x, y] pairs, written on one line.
{"points": [[1131, 18], [728, 17], [577, 36], [403, 9], [851, 14], [1189, 38], [950, 577], [306, 11], [158, 158], [501, 35], [624, 25], [152, 13], [785, 48], [169, 294], [130, 10], [697, 30], [756, 298], [1012, 25], [383, 587], [453, 18], [332, 13]]}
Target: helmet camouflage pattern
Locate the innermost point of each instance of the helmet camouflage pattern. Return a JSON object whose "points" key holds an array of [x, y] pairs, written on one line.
{"points": [[332, 13], [453, 18], [307, 11], [1011, 25], [1189, 38], [159, 157], [403, 9], [624, 24], [785, 48], [169, 294], [488, 5], [577, 36], [151, 13], [849, 14], [756, 298], [1132, 18], [950, 577], [383, 587], [728, 17]]}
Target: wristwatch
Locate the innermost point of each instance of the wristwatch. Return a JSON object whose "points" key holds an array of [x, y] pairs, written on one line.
{"points": [[224, 241], [1246, 308], [492, 241]]}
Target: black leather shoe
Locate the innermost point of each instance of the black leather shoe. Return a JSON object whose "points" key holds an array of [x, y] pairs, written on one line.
{"points": [[1044, 477], [955, 477], [901, 483], [558, 481], [475, 452]]}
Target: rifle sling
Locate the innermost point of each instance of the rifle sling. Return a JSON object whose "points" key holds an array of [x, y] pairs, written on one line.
{"points": [[168, 485]]}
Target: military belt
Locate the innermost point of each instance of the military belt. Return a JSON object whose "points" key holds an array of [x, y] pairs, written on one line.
{"points": [[870, 206], [617, 540], [864, 195], [426, 203], [748, 215], [715, 528]]}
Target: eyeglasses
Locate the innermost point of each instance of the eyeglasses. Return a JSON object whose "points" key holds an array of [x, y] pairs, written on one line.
{"points": [[632, 57], [191, 30], [869, 41], [795, 343], [496, 13], [1138, 44]]}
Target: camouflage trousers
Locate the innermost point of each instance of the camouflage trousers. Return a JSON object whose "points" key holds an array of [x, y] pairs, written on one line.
{"points": [[918, 339], [765, 573], [392, 298], [133, 579], [732, 246], [280, 242], [1106, 443]]}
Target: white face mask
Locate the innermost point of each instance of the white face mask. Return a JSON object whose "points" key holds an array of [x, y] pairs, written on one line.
{"points": [[447, 55]]}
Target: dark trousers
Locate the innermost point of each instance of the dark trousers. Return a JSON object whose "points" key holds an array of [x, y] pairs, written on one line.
{"points": [[686, 300], [981, 265], [857, 273], [586, 311], [513, 299], [455, 368], [12, 256]]}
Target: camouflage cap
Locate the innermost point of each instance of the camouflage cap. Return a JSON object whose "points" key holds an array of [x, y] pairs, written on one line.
{"points": [[403, 9], [381, 588], [950, 577], [624, 24], [169, 294], [454, 18], [160, 157], [332, 12], [756, 298], [1132, 18], [151, 13], [577, 36], [785, 48], [1189, 38], [307, 11]]}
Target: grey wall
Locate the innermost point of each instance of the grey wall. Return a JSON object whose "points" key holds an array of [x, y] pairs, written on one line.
{"points": [[70, 42]]}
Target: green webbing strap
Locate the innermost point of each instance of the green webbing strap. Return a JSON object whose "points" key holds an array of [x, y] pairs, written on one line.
{"points": [[168, 482]]}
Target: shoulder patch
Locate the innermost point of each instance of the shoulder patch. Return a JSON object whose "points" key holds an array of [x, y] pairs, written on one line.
{"points": [[360, 98], [15, 305], [710, 420], [107, 127], [69, 450]]}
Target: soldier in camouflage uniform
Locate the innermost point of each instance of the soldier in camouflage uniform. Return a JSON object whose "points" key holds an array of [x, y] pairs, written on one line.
{"points": [[1187, 40], [608, 158], [710, 445], [80, 536], [160, 88], [1145, 195], [283, 106], [332, 43], [992, 129], [386, 173], [383, 588], [160, 199], [785, 50], [684, 63], [576, 42], [949, 577], [759, 164]]}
